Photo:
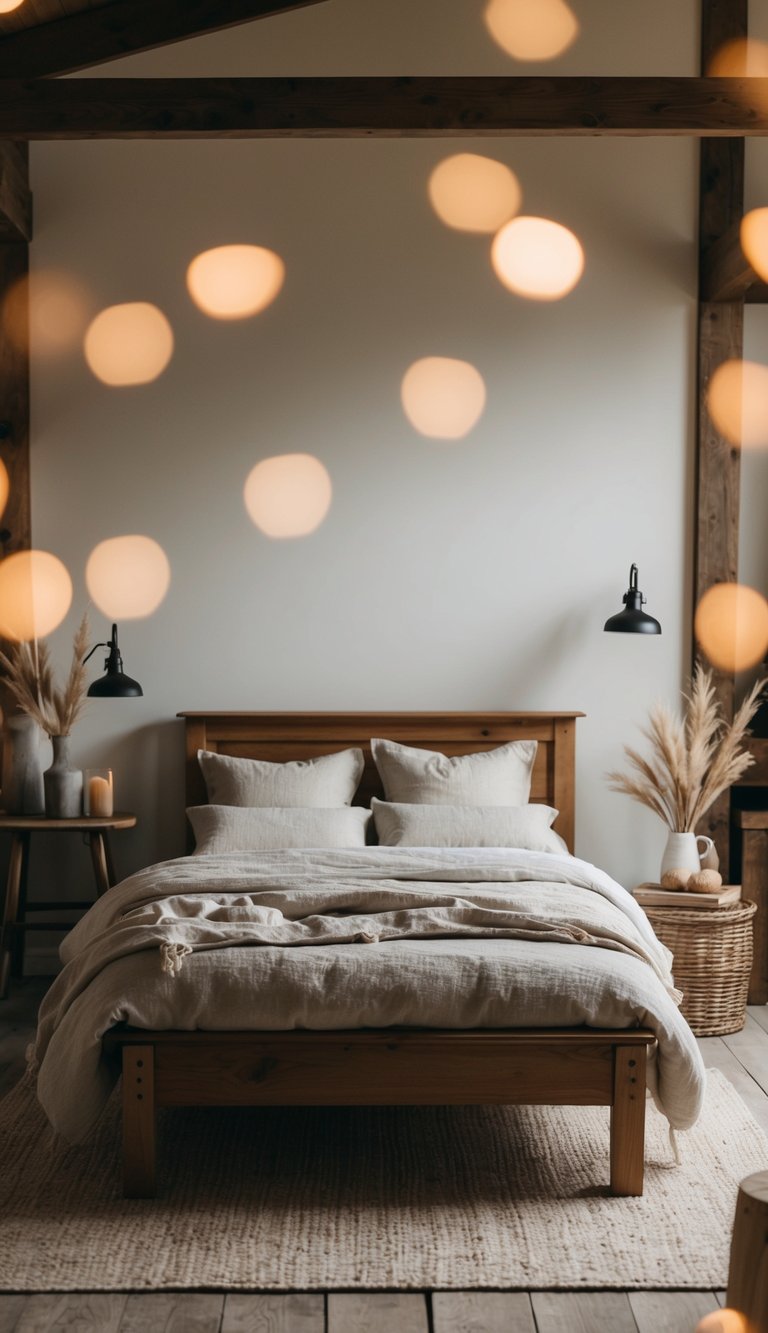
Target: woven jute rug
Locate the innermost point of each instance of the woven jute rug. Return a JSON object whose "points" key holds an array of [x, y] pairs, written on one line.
{"points": [[386, 1197]]}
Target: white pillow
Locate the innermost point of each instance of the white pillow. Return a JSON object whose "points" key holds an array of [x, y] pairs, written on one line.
{"points": [[526, 826], [329, 781], [229, 828], [425, 777]]}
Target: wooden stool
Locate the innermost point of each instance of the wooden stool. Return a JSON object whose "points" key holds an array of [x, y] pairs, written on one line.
{"points": [[748, 1272], [21, 828], [751, 841]]}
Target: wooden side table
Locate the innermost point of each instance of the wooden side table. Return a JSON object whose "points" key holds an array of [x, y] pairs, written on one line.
{"points": [[21, 827], [751, 851]]}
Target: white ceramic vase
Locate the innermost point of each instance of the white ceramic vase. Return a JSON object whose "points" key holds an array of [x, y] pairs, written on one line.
{"points": [[682, 852]]}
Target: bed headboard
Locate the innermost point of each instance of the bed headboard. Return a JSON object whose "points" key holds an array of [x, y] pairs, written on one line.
{"points": [[284, 736]]}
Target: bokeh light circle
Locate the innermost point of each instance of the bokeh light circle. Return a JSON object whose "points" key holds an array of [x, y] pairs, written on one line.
{"points": [[5, 486], [537, 258], [235, 281], [474, 193], [722, 1321], [48, 310], [532, 29], [737, 402], [731, 626], [753, 234], [128, 577], [7, 6], [740, 58], [288, 495], [35, 594], [443, 398], [129, 344]]}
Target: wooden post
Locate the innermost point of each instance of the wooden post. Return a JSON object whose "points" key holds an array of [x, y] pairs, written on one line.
{"points": [[748, 1272], [628, 1121], [720, 337], [138, 1122], [15, 230]]}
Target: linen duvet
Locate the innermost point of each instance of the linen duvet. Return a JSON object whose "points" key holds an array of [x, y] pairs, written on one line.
{"points": [[444, 938]]}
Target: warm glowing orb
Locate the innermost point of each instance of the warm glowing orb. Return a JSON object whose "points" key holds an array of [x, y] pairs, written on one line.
{"points": [[5, 486], [128, 577], [234, 281], [722, 1321], [737, 402], [49, 309], [7, 6], [731, 626], [739, 59], [35, 594], [532, 29], [288, 496], [537, 258], [474, 193], [753, 234], [443, 398], [129, 344]]}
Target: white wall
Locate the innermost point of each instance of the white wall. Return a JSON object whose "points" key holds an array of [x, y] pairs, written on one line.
{"points": [[470, 575]]}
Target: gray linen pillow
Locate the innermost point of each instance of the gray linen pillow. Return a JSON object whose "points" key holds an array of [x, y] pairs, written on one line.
{"points": [[425, 777], [329, 781], [525, 826], [229, 828]]}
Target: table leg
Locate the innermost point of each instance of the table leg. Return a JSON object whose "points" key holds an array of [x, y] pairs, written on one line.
{"points": [[101, 861], [18, 940], [112, 878], [17, 873]]}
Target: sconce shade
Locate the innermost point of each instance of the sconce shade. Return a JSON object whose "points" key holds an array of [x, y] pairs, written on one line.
{"points": [[114, 684], [633, 619]]}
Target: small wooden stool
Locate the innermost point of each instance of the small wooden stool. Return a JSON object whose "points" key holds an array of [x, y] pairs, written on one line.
{"points": [[21, 828], [748, 1272]]}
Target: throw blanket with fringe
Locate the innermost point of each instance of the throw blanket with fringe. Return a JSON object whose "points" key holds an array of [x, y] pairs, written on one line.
{"points": [[203, 942]]}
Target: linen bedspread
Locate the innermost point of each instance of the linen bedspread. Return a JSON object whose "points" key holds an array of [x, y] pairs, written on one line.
{"points": [[451, 938]]}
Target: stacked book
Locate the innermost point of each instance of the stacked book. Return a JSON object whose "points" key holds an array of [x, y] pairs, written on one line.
{"points": [[652, 895]]}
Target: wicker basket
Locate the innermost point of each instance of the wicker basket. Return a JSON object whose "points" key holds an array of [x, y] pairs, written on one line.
{"points": [[712, 950]]}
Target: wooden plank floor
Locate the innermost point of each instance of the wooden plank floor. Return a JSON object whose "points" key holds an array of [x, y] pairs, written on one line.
{"points": [[743, 1058]]}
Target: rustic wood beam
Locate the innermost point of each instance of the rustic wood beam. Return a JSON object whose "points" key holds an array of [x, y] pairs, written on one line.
{"points": [[726, 273], [121, 28], [379, 107], [15, 525], [15, 194], [720, 337]]}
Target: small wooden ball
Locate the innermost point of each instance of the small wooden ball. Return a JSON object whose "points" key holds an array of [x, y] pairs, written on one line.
{"points": [[705, 881], [676, 878]]}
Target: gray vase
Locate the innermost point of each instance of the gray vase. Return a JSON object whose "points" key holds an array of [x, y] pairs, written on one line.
{"points": [[63, 783], [22, 790]]}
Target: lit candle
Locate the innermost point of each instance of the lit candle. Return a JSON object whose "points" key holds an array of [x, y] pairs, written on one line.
{"points": [[99, 796]]}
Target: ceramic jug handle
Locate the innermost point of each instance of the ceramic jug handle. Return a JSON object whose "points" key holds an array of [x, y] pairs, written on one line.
{"points": [[708, 845]]}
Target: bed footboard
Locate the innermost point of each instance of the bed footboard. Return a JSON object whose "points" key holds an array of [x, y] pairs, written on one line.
{"points": [[387, 1067]]}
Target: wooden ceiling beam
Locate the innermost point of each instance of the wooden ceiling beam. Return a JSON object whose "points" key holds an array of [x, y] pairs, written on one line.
{"points": [[121, 28], [212, 108]]}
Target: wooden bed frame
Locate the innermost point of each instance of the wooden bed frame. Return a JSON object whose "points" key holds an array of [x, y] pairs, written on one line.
{"points": [[390, 1066]]}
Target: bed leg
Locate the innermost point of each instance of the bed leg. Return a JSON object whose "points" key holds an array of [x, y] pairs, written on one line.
{"points": [[628, 1120], [139, 1122]]}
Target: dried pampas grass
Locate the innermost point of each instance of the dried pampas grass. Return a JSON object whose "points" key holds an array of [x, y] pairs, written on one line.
{"points": [[693, 759], [29, 680]]}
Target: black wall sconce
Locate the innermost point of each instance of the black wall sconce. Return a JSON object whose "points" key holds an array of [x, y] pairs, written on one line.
{"points": [[114, 684], [633, 619]]}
